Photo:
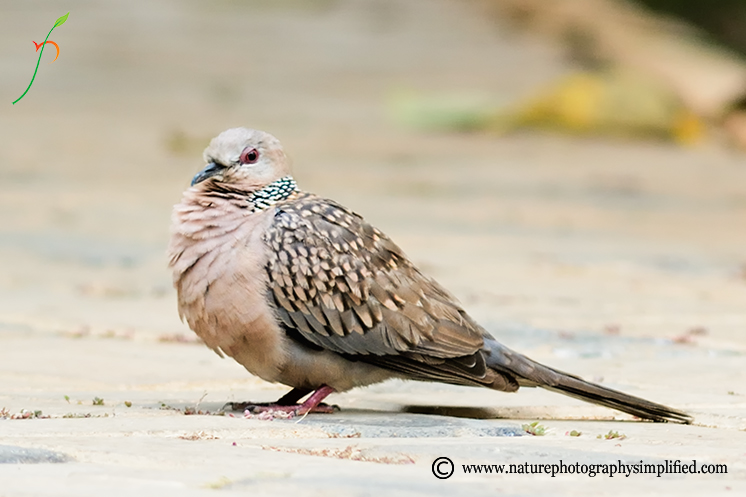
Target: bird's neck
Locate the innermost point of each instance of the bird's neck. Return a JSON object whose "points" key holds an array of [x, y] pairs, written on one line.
{"points": [[255, 199], [274, 192]]}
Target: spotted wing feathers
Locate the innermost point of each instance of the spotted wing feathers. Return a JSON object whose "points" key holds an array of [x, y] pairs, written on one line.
{"points": [[345, 286]]}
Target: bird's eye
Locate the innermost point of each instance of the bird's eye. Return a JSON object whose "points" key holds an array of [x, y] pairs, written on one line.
{"points": [[249, 156]]}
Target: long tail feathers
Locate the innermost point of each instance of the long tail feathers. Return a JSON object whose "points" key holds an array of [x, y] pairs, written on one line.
{"points": [[532, 373], [590, 392]]}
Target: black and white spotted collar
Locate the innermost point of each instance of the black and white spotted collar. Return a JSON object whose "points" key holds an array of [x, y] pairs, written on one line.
{"points": [[272, 193]]}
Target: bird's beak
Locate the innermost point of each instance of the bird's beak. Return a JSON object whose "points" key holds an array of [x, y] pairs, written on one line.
{"points": [[210, 170]]}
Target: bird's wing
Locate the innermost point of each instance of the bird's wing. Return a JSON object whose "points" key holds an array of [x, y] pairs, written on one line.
{"points": [[346, 287]]}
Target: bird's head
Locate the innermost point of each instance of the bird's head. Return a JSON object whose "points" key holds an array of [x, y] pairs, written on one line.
{"points": [[243, 158]]}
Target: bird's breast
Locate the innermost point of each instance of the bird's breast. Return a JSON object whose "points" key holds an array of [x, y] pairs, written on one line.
{"points": [[218, 257]]}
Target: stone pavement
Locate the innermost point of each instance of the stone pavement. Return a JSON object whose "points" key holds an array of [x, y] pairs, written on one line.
{"points": [[622, 262]]}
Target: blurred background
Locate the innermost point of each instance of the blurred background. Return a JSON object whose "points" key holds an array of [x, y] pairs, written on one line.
{"points": [[571, 170]]}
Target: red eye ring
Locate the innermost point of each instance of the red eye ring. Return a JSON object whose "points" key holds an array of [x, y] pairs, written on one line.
{"points": [[249, 156]]}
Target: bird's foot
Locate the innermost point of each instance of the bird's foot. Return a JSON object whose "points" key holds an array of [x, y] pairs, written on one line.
{"points": [[274, 411], [286, 407]]}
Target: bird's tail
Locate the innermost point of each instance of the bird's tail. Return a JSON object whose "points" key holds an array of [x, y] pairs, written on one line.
{"points": [[531, 373]]}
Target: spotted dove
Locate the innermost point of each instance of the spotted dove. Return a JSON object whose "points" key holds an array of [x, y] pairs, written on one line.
{"points": [[300, 290]]}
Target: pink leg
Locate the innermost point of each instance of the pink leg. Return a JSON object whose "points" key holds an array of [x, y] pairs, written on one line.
{"points": [[315, 399]]}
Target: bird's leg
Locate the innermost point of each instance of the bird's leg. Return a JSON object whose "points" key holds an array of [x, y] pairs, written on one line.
{"points": [[313, 403], [288, 403], [293, 396]]}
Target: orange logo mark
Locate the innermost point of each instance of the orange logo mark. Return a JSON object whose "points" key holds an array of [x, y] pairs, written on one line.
{"points": [[39, 45]]}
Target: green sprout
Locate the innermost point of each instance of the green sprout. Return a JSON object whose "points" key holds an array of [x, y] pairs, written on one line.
{"points": [[535, 429], [612, 435], [58, 22]]}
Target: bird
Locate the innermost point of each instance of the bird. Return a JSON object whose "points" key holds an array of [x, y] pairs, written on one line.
{"points": [[302, 291]]}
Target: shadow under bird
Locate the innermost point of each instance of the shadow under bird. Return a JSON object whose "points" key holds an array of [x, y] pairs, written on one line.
{"points": [[302, 291]]}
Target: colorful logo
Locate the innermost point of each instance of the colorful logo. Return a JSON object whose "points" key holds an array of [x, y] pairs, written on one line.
{"points": [[38, 46], [58, 22]]}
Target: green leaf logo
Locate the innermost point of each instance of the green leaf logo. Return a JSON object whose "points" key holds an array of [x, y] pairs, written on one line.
{"points": [[61, 20], [58, 22]]}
